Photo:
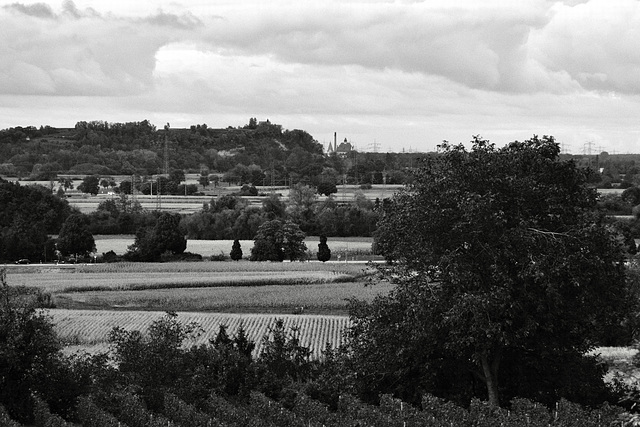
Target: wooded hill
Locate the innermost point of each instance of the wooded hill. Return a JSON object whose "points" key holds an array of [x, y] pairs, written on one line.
{"points": [[257, 153]]}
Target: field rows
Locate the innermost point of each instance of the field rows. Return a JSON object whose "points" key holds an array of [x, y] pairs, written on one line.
{"points": [[88, 330]]}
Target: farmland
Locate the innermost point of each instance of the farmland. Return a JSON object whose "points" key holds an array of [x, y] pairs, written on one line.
{"points": [[92, 299], [89, 329], [322, 288]]}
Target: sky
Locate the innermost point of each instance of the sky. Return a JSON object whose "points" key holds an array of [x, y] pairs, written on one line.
{"points": [[394, 76]]}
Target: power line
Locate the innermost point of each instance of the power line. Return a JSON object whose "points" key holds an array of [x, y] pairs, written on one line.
{"points": [[588, 147]]}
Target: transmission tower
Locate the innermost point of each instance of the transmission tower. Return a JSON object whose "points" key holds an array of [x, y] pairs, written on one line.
{"points": [[588, 147]]}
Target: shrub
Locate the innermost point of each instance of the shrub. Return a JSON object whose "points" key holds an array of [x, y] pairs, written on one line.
{"points": [[248, 190], [219, 257], [183, 257], [110, 256]]}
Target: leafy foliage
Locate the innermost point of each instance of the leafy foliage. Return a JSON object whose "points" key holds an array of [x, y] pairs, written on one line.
{"points": [[164, 236], [28, 349], [277, 240], [27, 215], [505, 272], [327, 188], [74, 237], [231, 217], [90, 184], [283, 361]]}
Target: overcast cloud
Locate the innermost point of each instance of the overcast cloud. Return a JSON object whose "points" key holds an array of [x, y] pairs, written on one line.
{"points": [[402, 74]]}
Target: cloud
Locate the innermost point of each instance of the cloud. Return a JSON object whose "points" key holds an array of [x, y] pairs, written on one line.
{"points": [[529, 47], [80, 51], [597, 43], [40, 10], [481, 47], [525, 47], [185, 21]]}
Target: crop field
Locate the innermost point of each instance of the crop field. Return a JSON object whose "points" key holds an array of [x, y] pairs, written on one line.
{"points": [[91, 299], [88, 330], [138, 276], [92, 277], [321, 288]]}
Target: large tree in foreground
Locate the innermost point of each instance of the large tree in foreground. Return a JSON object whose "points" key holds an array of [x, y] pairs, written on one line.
{"points": [[505, 277]]}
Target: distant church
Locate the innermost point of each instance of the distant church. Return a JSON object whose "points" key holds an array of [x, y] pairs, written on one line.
{"points": [[341, 150]]}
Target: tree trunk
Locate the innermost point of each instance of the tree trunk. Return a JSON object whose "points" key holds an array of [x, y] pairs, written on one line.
{"points": [[490, 370]]}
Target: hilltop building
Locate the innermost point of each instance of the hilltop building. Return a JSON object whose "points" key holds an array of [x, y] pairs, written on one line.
{"points": [[343, 150]]}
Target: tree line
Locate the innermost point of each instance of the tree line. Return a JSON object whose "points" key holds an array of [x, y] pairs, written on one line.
{"points": [[38, 226]]}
